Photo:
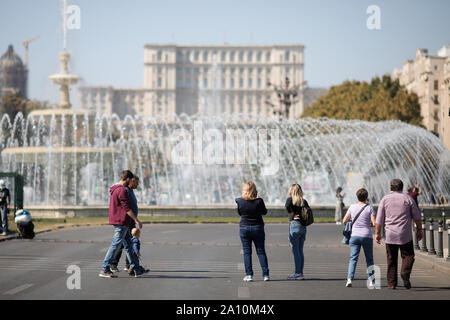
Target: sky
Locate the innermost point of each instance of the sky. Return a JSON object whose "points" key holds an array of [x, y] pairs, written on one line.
{"points": [[108, 49]]}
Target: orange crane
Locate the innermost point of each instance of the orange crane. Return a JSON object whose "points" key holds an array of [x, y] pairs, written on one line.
{"points": [[25, 43]]}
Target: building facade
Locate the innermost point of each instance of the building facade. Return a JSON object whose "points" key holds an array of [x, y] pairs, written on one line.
{"points": [[425, 75], [445, 105], [109, 100], [219, 79]]}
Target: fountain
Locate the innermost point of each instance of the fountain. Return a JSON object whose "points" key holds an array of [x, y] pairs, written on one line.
{"points": [[72, 157]]}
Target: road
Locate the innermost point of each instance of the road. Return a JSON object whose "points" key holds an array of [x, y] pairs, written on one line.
{"points": [[198, 261]]}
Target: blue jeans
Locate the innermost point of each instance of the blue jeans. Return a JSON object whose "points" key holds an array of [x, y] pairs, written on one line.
{"points": [[355, 247], [254, 234], [121, 236], [297, 236], [4, 218]]}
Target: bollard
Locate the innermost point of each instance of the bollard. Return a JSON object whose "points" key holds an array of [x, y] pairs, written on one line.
{"points": [[416, 241], [448, 244], [440, 251], [424, 239], [432, 251], [443, 218]]}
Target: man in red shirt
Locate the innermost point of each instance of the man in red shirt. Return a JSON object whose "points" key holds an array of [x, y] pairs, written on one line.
{"points": [[121, 217]]}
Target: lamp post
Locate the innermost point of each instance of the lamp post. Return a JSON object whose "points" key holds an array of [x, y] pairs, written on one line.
{"points": [[287, 96]]}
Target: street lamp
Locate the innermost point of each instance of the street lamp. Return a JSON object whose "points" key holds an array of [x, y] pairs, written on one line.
{"points": [[287, 96]]}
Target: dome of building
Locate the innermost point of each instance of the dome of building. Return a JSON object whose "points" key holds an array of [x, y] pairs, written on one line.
{"points": [[10, 59], [13, 74]]}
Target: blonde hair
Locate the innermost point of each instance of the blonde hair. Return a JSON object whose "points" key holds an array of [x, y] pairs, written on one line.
{"points": [[135, 232], [296, 193], [249, 191]]}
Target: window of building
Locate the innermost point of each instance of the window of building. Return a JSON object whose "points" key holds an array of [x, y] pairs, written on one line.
{"points": [[232, 56], [241, 83], [224, 55], [159, 70], [205, 83], [258, 56], [436, 99], [232, 83], [205, 56], [268, 57], [187, 56], [196, 56], [259, 83], [250, 71], [250, 82], [241, 56], [436, 127], [436, 85], [159, 82], [286, 56], [196, 83], [159, 55], [232, 71], [287, 71], [223, 83], [250, 56]]}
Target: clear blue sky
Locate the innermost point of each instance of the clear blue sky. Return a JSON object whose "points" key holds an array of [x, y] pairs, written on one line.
{"points": [[109, 47]]}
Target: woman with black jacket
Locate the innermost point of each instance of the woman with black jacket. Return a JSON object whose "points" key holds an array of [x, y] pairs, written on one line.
{"points": [[297, 231], [251, 229]]}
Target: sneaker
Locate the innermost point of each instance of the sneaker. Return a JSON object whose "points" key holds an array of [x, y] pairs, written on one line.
{"points": [[248, 278], [296, 276], [126, 269], [107, 274], [349, 283], [266, 278], [140, 272], [4, 234], [114, 268]]}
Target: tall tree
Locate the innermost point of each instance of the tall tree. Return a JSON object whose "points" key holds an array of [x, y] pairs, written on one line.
{"points": [[12, 104], [381, 99]]}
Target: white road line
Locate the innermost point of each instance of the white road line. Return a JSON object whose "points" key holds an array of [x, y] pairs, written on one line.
{"points": [[243, 292], [18, 289], [241, 267]]}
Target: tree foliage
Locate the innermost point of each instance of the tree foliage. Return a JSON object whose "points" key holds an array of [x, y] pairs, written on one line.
{"points": [[382, 99], [12, 104]]}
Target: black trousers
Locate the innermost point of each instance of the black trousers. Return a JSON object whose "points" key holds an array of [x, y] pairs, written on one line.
{"points": [[407, 254]]}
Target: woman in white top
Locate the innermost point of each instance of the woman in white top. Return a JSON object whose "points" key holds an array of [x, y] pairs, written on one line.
{"points": [[361, 234]]}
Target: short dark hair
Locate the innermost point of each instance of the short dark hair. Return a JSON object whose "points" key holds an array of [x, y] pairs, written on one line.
{"points": [[136, 178], [126, 174], [396, 185], [362, 194]]}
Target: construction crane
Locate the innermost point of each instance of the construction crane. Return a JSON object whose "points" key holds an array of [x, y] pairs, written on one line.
{"points": [[25, 44]]}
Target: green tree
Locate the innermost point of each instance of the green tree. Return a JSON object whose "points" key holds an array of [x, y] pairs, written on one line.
{"points": [[381, 99], [12, 104]]}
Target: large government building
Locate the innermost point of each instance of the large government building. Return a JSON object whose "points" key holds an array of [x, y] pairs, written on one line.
{"points": [[13, 74], [429, 77], [206, 80]]}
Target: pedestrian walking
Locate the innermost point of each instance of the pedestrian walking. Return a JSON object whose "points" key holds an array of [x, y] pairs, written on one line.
{"points": [[414, 192], [362, 216], [396, 211], [134, 183], [5, 200], [339, 206], [297, 231], [121, 217], [251, 229]]}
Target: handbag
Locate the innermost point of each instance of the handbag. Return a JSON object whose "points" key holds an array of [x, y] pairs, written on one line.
{"points": [[347, 232]]}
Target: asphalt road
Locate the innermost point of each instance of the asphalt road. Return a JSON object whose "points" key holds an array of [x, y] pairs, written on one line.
{"points": [[198, 261]]}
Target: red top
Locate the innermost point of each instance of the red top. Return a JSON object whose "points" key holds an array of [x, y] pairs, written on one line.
{"points": [[119, 204]]}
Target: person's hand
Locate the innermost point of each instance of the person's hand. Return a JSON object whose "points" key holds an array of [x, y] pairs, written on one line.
{"points": [[139, 224], [378, 238], [419, 235], [296, 217]]}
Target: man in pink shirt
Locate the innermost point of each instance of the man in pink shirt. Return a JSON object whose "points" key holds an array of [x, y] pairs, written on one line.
{"points": [[396, 212]]}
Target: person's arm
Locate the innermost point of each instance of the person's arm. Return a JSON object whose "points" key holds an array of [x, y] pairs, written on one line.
{"points": [[346, 218], [379, 222], [133, 216], [124, 199], [263, 210], [9, 199], [373, 220], [419, 229], [288, 207]]}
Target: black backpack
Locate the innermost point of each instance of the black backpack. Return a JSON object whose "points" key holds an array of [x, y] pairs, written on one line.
{"points": [[26, 230], [306, 216]]}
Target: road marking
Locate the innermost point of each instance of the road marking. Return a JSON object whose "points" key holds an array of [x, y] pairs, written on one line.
{"points": [[241, 267], [243, 292], [19, 289]]}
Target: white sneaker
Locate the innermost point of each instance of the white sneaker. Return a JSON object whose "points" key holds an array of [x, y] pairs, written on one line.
{"points": [[349, 283], [248, 278], [266, 278]]}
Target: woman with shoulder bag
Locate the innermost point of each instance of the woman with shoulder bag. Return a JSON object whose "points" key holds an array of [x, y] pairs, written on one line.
{"points": [[362, 216], [297, 231]]}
